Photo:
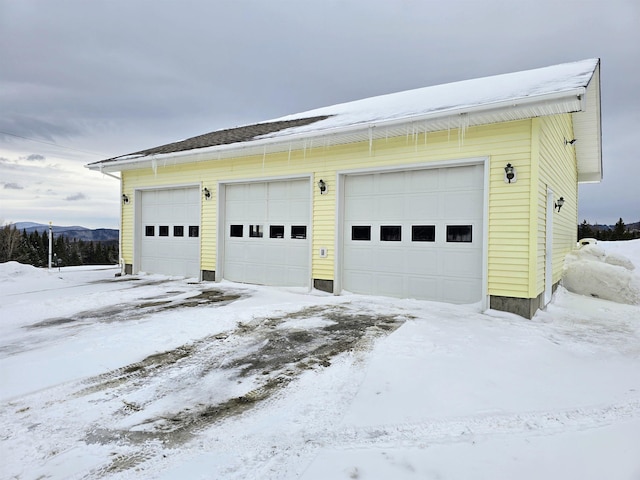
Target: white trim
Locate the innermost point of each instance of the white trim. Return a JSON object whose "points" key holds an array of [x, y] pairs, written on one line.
{"points": [[339, 228], [548, 248], [170, 186], [221, 199], [485, 235], [416, 166]]}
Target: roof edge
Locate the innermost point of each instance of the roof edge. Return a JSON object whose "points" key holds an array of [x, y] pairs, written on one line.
{"points": [[281, 137]]}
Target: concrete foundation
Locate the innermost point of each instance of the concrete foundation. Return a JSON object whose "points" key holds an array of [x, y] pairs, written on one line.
{"points": [[128, 269], [324, 285], [209, 275], [525, 307]]}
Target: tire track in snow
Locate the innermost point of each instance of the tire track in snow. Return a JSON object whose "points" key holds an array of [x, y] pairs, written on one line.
{"points": [[466, 429], [294, 456]]}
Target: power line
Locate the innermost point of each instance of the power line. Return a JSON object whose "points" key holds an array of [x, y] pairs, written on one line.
{"points": [[54, 144]]}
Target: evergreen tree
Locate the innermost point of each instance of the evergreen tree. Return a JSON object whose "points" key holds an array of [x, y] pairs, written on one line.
{"points": [[585, 230], [619, 231]]}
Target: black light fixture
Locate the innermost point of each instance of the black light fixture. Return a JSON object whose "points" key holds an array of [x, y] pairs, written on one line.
{"points": [[206, 193], [570, 142], [510, 174], [322, 186], [559, 203], [125, 199]]}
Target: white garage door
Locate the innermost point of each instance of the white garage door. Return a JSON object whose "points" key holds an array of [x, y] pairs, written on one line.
{"points": [[267, 233], [415, 234], [170, 231]]}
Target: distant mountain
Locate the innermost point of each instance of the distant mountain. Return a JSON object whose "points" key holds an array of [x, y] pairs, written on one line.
{"points": [[74, 232]]}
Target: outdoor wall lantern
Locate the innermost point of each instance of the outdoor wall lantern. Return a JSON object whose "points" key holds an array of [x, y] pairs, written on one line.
{"points": [[510, 174], [322, 186], [559, 204], [206, 193], [125, 199]]}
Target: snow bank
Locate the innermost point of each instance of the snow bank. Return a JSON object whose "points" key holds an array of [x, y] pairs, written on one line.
{"points": [[592, 272], [9, 271]]}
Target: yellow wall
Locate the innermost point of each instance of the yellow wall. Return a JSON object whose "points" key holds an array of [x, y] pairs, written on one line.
{"points": [[512, 265], [558, 171]]}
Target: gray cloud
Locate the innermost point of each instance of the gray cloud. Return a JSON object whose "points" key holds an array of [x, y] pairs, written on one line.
{"points": [[35, 158], [75, 197], [117, 77], [12, 186]]}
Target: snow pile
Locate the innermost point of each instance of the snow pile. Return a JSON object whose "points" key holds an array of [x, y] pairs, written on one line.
{"points": [[9, 271], [592, 272]]}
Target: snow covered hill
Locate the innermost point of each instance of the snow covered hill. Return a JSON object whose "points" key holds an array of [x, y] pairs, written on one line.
{"points": [[141, 377]]}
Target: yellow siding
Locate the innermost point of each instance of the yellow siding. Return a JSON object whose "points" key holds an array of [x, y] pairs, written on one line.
{"points": [[558, 171], [509, 219]]}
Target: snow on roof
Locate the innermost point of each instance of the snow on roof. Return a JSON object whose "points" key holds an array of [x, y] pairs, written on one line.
{"points": [[456, 96], [511, 96]]}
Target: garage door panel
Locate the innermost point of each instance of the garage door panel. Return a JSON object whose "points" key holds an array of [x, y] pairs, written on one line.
{"points": [[265, 260], [389, 207], [460, 178], [388, 260], [423, 180], [361, 280], [461, 263], [424, 287], [460, 291], [299, 212], [422, 206], [359, 258], [391, 285], [170, 254], [389, 183], [361, 185], [358, 209], [433, 199], [423, 262], [461, 205]]}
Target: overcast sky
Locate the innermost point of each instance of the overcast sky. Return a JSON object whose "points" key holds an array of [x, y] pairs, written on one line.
{"points": [[81, 80]]}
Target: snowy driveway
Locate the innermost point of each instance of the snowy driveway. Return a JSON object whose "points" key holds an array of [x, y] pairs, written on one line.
{"points": [[152, 377]]}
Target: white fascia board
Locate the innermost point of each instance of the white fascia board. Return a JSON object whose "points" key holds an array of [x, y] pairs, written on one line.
{"points": [[544, 104], [587, 128]]}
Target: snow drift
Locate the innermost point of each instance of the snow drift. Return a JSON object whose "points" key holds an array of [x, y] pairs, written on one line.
{"points": [[592, 272]]}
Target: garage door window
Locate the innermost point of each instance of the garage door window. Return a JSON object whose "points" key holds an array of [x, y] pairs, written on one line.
{"points": [[236, 231], [459, 233], [276, 231], [149, 231], [163, 230], [255, 231], [391, 233], [299, 231], [178, 231], [361, 232], [194, 231], [423, 233]]}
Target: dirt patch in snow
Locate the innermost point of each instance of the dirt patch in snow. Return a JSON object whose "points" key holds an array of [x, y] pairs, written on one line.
{"points": [[256, 360], [134, 311]]}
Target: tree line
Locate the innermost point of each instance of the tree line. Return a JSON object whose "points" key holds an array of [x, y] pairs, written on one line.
{"points": [[619, 232], [33, 249]]}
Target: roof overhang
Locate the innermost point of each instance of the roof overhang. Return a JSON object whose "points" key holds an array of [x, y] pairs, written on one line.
{"points": [[587, 129]]}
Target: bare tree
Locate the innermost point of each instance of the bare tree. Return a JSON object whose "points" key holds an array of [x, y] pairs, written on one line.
{"points": [[9, 243]]}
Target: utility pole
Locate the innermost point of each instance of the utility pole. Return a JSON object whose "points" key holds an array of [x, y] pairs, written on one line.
{"points": [[50, 243]]}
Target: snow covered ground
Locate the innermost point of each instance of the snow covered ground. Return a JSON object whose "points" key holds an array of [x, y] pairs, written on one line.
{"points": [[154, 377]]}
